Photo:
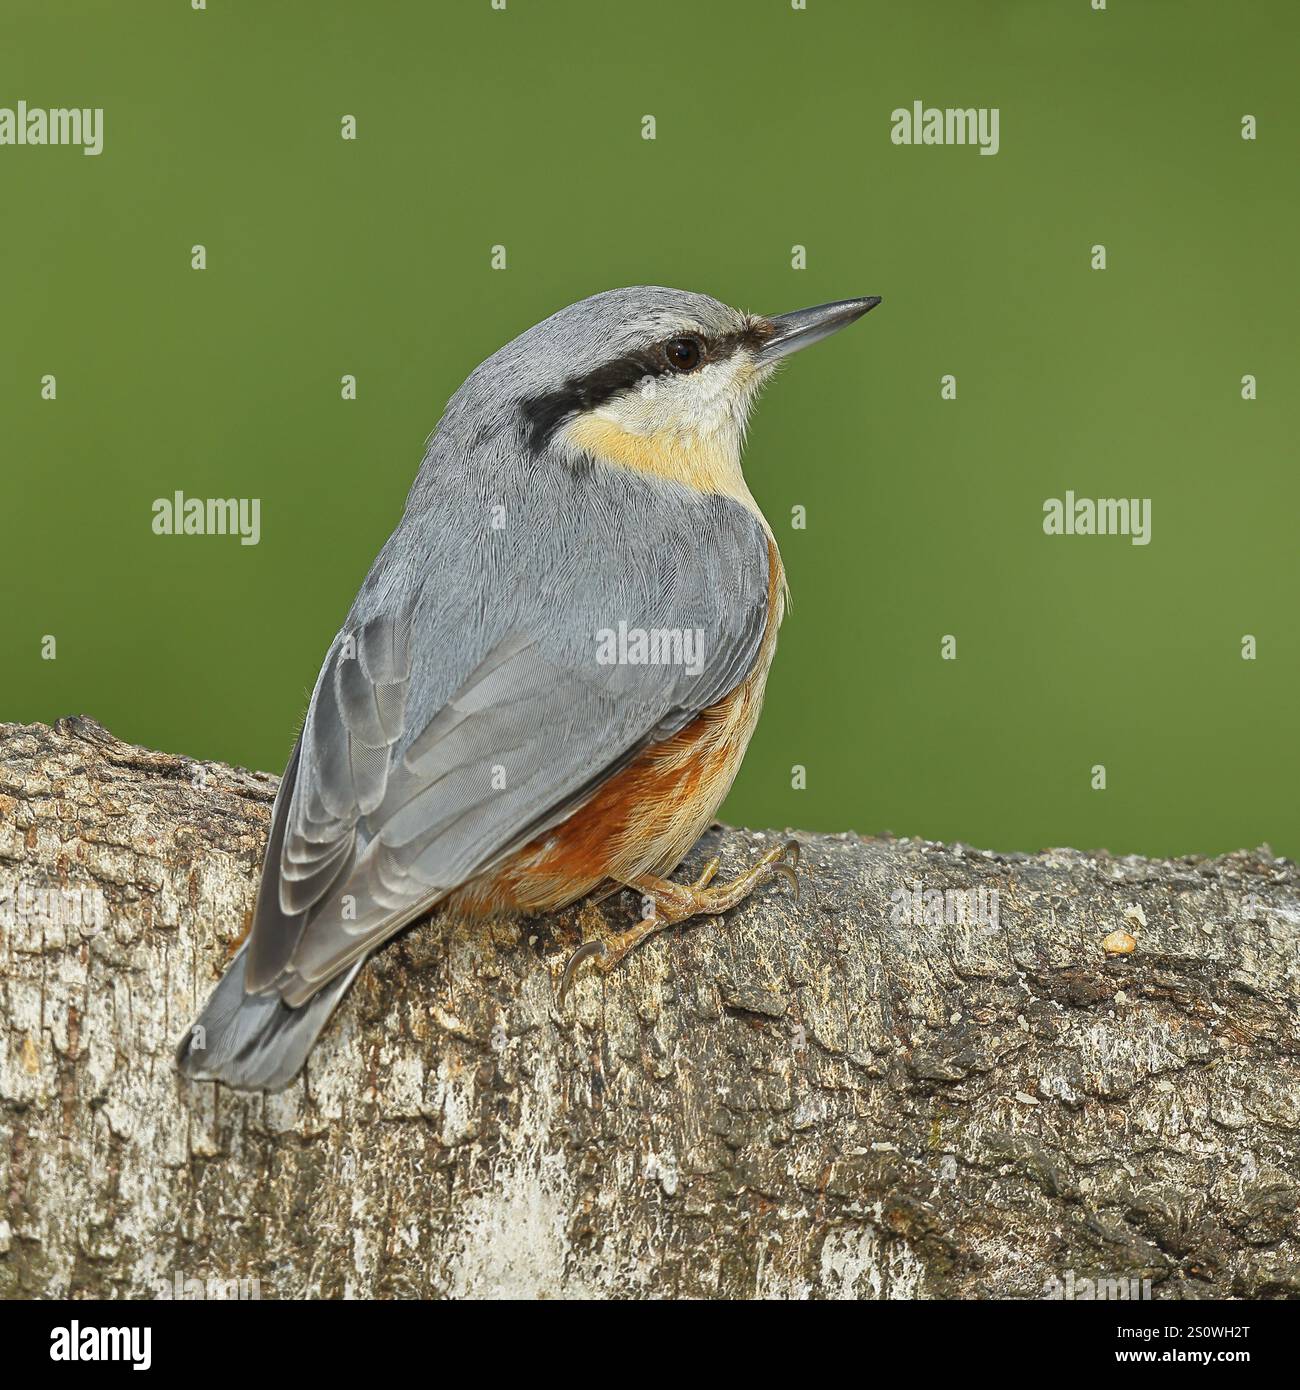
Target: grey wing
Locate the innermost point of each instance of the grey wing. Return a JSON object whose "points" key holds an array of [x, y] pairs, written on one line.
{"points": [[399, 792], [337, 774]]}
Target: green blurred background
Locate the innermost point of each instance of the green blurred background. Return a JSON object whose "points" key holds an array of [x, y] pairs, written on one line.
{"points": [[924, 516]]}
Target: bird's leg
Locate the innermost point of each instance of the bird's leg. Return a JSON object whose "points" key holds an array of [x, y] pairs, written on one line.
{"points": [[671, 903]]}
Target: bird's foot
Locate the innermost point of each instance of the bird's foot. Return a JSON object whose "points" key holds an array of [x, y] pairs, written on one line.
{"points": [[666, 903]]}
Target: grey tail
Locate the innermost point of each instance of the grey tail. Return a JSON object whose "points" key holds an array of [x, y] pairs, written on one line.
{"points": [[256, 1042]]}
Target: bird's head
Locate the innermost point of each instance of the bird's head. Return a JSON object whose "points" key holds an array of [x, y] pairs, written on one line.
{"points": [[652, 379]]}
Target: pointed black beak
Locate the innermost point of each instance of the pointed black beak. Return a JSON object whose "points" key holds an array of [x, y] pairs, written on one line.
{"points": [[807, 326]]}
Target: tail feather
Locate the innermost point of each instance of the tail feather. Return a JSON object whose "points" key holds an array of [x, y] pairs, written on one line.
{"points": [[256, 1042]]}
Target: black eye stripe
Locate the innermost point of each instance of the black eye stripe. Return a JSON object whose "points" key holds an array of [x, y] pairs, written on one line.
{"points": [[544, 414]]}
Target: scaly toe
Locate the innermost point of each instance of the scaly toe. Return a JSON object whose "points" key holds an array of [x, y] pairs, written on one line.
{"points": [[708, 874]]}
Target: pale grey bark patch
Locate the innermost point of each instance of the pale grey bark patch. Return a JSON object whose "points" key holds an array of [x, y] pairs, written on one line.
{"points": [[802, 1099]]}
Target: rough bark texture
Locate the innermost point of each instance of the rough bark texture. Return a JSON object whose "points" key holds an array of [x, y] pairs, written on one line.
{"points": [[802, 1099]]}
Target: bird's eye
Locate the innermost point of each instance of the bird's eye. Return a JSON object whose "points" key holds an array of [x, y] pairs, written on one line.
{"points": [[684, 354]]}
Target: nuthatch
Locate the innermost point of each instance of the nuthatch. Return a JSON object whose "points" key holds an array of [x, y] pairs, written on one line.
{"points": [[549, 678]]}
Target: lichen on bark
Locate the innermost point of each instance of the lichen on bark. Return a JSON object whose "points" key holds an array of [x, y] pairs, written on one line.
{"points": [[832, 1097]]}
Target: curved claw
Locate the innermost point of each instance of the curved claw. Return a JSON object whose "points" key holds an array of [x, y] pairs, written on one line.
{"points": [[794, 851], [788, 873], [585, 952]]}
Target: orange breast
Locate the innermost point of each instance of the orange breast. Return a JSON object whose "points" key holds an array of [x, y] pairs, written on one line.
{"points": [[646, 817]]}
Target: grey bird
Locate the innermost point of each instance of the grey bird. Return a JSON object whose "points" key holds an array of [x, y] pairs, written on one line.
{"points": [[547, 682]]}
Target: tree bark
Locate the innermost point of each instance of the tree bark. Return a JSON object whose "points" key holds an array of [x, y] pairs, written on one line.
{"points": [[831, 1097]]}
